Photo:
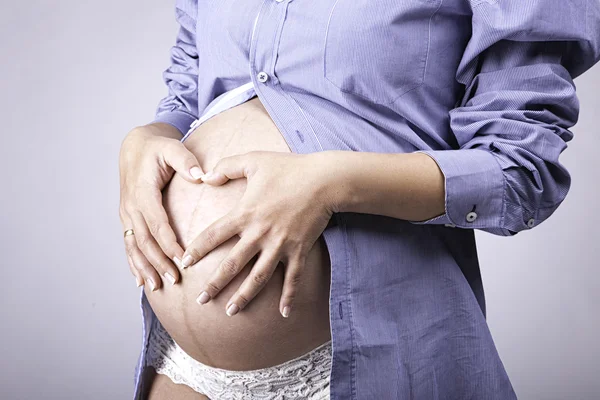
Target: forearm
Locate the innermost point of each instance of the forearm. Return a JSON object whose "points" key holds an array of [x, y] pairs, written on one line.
{"points": [[407, 186]]}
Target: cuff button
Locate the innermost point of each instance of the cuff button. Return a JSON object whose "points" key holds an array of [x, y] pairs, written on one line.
{"points": [[530, 223], [472, 216]]}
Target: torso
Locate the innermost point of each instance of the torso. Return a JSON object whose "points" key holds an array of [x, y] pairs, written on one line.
{"points": [[258, 336]]}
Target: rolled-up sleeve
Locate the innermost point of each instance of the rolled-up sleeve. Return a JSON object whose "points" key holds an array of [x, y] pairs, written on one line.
{"points": [[503, 175], [180, 107]]}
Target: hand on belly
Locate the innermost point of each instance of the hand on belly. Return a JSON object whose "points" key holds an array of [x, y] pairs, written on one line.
{"points": [[282, 213], [258, 336]]}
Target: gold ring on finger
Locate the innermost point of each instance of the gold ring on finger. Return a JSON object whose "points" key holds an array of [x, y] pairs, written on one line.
{"points": [[128, 232]]}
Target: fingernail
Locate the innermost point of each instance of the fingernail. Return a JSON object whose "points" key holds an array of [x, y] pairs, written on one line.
{"points": [[169, 277], [152, 284], [286, 311], [187, 261], [203, 298], [233, 309], [178, 262], [139, 281], [207, 175], [196, 172]]}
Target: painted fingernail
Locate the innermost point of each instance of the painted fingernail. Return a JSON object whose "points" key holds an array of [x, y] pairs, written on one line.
{"points": [[286, 311], [232, 309], [196, 172], [203, 298], [139, 281], [169, 277], [187, 261], [178, 262], [152, 284]]}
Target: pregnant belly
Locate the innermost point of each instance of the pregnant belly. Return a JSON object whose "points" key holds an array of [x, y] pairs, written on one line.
{"points": [[258, 336]]}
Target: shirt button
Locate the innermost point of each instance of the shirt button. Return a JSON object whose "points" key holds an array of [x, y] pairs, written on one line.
{"points": [[530, 223], [472, 216], [262, 77], [279, 1]]}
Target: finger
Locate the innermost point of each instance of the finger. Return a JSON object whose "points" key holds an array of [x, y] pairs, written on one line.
{"points": [[126, 223], [152, 251], [141, 264], [158, 223], [183, 161], [291, 280], [138, 279], [237, 259], [216, 233], [261, 272], [232, 167]]}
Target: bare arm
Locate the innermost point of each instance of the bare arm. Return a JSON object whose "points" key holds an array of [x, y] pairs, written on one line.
{"points": [[405, 186]]}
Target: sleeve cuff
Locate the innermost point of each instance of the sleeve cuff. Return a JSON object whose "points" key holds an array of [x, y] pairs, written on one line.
{"points": [[474, 186], [179, 119]]}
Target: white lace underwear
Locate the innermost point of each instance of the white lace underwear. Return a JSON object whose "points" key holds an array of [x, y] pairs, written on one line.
{"points": [[305, 377]]}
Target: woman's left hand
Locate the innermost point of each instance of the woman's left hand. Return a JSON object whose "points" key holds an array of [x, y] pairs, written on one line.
{"points": [[285, 208]]}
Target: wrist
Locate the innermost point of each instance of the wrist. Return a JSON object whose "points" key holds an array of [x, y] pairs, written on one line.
{"points": [[161, 129], [141, 135], [336, 183]]}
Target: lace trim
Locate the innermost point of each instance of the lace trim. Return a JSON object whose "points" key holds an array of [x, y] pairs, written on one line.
{"points": [[304, 377]]}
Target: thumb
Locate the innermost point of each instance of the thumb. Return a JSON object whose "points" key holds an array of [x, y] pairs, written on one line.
{"points": [[233, 167], [183, 161]]}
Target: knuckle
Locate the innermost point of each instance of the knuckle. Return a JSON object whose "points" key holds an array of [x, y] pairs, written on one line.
{"points": [[229, 267], [222, 162], [294, 279], [238, 216], [211, 237], [126, 209], [260, 278], [154, 198], [153, 226], [148, 271], [243, 300], [144, 271], [212, 288], [174, 146], [129, 248], [234, 219], [194, 252], [260, 231], [298, 244], [170, 249], [253, 154], [280, 241], [143, 241], [140, 270], [187, 157], [163, 267], [122, 212], [132, 266], [300, 259]]}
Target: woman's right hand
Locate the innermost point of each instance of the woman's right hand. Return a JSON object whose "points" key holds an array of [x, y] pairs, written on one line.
{"points": [[149, 157]]}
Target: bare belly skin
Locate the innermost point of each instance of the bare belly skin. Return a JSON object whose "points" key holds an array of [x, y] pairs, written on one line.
{"points": [[258, 336]]}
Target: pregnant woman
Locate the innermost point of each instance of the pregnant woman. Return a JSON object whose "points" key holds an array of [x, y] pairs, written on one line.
{"points": [[301, 212]]}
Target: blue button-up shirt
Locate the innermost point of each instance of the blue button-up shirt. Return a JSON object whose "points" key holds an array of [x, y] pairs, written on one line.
{"points": [[484, 87]]}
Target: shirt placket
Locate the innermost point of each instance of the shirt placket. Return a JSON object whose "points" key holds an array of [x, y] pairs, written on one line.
{"points": [[264, 51], [289, 118]]}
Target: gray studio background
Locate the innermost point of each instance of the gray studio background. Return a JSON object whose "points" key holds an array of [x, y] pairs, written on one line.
{"points": [[75, 76]]}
